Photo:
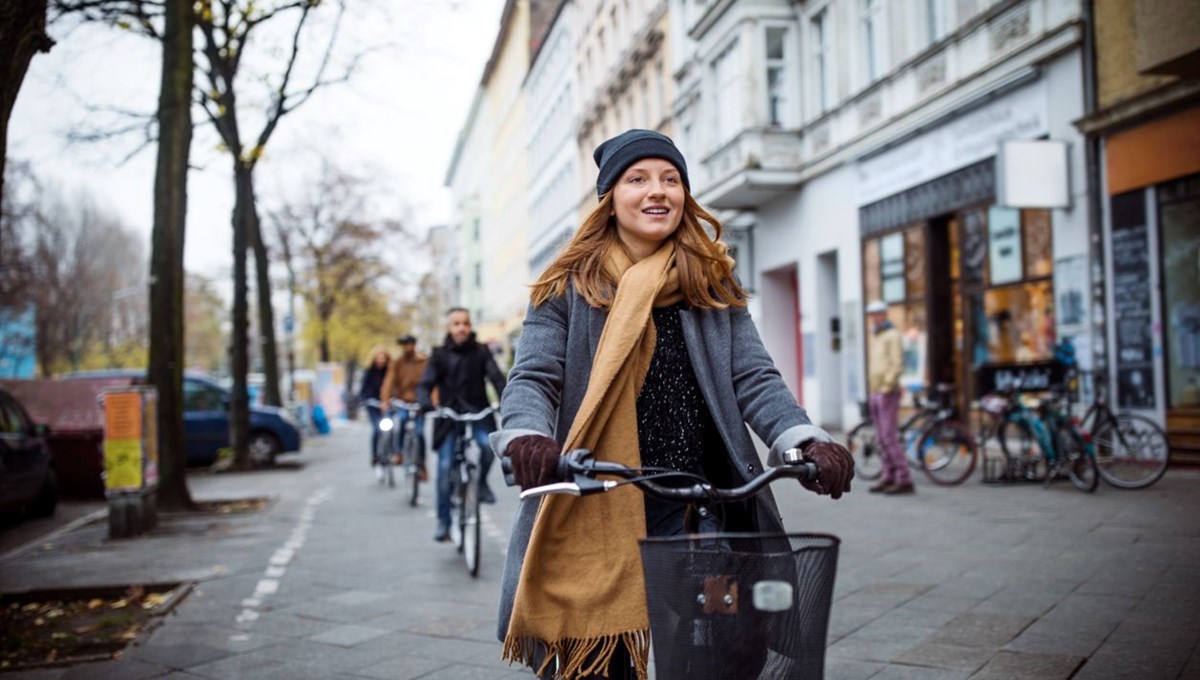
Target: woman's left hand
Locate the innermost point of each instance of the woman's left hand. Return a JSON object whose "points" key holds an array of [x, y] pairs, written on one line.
{"points": [[835, 468]]}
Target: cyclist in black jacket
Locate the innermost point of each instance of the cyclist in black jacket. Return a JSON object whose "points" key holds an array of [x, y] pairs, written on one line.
{"points": [[458, 370]]}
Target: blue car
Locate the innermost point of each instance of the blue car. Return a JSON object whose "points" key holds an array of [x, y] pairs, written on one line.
{"points": [[273, 430]]}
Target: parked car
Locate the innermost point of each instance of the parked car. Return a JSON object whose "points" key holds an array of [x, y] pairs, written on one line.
{"points": [[273, 431], [27, 480]]}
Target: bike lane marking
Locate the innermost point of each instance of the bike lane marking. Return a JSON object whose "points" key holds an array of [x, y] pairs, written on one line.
{"points": [[277, 564]]}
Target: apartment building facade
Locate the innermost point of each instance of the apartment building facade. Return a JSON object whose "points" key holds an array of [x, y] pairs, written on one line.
{"points": [[867, 150]]}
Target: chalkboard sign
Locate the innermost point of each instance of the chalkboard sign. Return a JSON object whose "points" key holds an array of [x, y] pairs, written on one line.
{"points": [[1132, 302], [1030, 376]]}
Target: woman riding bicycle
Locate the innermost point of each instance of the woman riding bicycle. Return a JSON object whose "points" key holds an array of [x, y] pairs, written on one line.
{"points": [[372, 382], [637, 345]]}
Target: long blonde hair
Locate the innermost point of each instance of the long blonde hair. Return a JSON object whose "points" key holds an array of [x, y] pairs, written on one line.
{"points": [[705, 271]]}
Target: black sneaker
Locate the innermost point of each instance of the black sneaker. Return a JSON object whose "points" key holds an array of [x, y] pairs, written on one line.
{"points": [[442, 533]]}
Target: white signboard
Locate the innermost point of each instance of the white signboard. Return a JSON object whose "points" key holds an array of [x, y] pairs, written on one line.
{"points": [[1004, 245], [962, 140]]}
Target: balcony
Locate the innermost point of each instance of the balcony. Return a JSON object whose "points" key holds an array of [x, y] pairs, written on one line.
{"points": [[755, 167]]}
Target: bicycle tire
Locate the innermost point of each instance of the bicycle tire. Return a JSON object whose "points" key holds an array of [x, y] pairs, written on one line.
{"points": [[864, 448], [948, 452], [471, 525], [1134, 454], [383, 457], [1072, 452], [1024, 457], [412, 472]]}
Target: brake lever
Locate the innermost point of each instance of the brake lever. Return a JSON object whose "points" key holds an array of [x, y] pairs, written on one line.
{"points": [[582, 486]]}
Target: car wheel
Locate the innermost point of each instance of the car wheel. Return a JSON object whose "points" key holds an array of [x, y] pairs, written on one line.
{"points": [[47, 499], [263, 448]]}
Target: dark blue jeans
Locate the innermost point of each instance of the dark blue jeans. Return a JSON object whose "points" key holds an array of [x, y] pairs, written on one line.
{"points": [[375, 415], [446, 462], [401, 417]]}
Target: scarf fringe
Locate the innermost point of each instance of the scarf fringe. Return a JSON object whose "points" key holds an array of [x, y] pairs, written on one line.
{"points": [[580, 658]]}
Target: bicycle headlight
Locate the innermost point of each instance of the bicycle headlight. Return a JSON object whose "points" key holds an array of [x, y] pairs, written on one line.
{"points": [[386, 424]]}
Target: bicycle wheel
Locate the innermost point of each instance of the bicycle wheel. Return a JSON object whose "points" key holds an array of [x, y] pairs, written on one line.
{"points": [[1024, 455], [412, 473], [911, 435], [471, 526], [1081, 467], [948, 452], [1133, 453], [864, 447], [383, 457]]}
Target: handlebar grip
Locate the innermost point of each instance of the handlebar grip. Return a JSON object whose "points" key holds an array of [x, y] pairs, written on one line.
{"points": [[507, 469]]}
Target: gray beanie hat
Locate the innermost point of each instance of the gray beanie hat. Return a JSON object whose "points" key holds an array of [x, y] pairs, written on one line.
{"points": [[615, 155]]}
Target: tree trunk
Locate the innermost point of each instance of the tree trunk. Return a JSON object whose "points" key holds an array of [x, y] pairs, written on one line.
{"points": [[239, 364], [166, 259], [22, 35], [266, 313]]}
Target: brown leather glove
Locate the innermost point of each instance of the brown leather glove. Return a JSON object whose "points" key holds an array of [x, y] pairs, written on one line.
{"points": [[835, 468], [534, 460]]}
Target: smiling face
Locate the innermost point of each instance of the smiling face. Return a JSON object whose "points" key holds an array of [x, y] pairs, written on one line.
{"points": [[648, 205]]}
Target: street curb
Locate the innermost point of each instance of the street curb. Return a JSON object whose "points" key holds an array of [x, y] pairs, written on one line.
{"points": [[69, 526]]}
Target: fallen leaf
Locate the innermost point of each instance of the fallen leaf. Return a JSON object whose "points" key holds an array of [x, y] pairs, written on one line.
{"points": [[93, 604], [31, 607], [58, 636], [90, 628], [218, 568], [39, 621], [54, 613], [154, 600], [119, 604]]}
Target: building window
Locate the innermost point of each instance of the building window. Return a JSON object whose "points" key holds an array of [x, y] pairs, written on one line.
{"points": [[934, 19], [478, 274], [777, 80], [872, 33], [726, 71], [822, 56], [1179, 217]]}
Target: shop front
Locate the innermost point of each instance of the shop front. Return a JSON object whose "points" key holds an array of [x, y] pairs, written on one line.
{"points": [[970, 279], [1153, 262]]}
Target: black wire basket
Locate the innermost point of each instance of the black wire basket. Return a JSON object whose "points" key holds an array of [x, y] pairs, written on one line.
{"points": [[740, 606]]}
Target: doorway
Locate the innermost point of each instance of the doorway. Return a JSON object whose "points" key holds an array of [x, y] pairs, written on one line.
{"points": [[828, 347]]}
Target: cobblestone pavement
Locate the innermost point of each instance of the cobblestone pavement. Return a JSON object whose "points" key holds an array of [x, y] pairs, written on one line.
{"points": [[336, 578]]}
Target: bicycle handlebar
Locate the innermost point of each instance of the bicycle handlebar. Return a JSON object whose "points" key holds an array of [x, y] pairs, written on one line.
{"points": [[445, 412], [583, 467]]}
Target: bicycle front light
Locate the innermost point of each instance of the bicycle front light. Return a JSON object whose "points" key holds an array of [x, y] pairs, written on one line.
{"points": [[386, 424]]}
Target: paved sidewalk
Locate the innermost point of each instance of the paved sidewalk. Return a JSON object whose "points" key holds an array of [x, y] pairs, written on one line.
{"points": [[338, 579]]}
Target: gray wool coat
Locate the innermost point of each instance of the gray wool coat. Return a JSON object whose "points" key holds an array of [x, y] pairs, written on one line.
{"points": [[740, 383]]}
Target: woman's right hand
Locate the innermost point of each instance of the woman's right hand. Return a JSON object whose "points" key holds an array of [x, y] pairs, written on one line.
{"points": [[534, 460]]}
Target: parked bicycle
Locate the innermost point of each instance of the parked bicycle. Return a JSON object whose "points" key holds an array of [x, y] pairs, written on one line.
{"points": [[465, 520], [412, 450], [726, 605], [384, 445], [1041, 445], [933, 440], [1131, 450]]}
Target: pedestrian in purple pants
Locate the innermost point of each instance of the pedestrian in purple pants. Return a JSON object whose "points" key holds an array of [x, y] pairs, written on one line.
{"points": [[885, 363]]}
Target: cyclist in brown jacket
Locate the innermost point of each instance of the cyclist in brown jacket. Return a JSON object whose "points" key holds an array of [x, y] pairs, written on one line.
{"points": [[404, 372]]}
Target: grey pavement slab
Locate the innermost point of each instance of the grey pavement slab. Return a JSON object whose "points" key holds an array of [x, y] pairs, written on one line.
{"points": [[970, 581]]}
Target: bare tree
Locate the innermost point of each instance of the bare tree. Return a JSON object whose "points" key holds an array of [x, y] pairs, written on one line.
{"points": [[340, 255], [226, 28], [22, 35], [166, 262]]}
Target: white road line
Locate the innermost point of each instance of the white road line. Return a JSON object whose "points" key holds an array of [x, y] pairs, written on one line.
{"points": [[277, 564]]}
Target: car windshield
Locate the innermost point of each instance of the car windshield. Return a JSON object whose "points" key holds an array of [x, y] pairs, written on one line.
{"points": [[198, 396]]}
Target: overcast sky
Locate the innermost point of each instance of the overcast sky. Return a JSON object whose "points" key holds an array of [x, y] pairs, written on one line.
{"points": [[396, 121]]}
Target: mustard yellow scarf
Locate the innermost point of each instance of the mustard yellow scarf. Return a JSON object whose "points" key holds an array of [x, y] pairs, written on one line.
{"points": [[581, 589]]}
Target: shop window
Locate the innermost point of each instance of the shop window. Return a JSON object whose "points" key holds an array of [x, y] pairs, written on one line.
{"points": [[914, 262], [1179, 214], [1013, 323], [891, 267], [871, 284], [1038, 237]]}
